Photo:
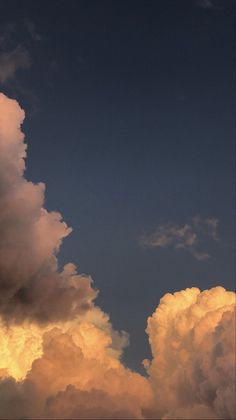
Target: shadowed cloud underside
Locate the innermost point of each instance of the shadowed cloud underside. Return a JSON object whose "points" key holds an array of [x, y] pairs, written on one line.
{"points": [[59, 354]]}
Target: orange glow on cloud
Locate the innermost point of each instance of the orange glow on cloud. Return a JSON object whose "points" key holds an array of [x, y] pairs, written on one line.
{"points": [[59, 354]]}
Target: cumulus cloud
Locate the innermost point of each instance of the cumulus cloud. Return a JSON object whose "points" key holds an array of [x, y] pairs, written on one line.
{"points": [[68, 370], [59, 354], [72, 371], [188, 236], [192, 337], [30, 283]]}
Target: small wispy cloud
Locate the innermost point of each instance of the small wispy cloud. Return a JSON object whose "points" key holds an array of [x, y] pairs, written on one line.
{"points": [[207, 4], [32, 30], [189, 236], [14, 48], [12, 61]]}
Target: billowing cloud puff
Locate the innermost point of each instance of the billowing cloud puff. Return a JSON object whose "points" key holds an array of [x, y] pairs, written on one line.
{"points": [[192, 337], [30, 238], [73, 370], [60, 356], [68, 370]]}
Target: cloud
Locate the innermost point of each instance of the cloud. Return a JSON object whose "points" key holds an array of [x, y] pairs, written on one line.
{"points": [[94, 404], [59, 354], [12, 61], [207, 4], [188, 236], [74, 372], [32, 30], [30, 283], [192, 336], [15, 55], [68, 370]]}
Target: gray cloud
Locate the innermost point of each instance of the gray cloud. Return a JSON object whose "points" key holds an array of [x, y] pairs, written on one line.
{"points": [[14, 50], [32, 30], [188, 236], [207, 4], [12, 61]]}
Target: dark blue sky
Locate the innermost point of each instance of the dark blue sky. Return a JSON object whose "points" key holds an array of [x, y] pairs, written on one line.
{"points": [[130, 123]]}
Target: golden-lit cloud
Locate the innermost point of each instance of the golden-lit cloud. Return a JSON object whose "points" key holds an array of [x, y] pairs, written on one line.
{"points": [[59, 354], [192, 337], [75, 365], [73, 370]]}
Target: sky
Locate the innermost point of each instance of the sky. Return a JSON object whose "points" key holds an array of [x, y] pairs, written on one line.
{"points": [[130, 123]]}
